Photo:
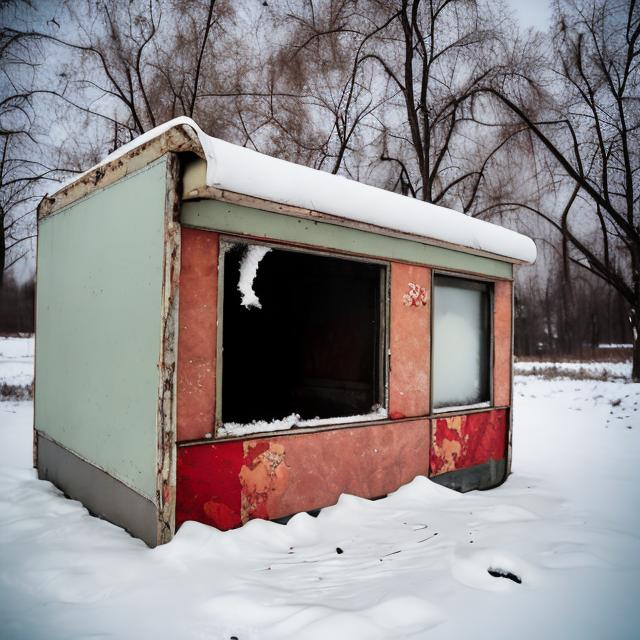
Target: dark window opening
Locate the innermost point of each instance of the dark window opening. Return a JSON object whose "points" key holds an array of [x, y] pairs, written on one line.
{"points": [[312, 348]]}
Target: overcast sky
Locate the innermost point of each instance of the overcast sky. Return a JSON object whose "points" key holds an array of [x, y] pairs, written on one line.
{"points": [[532, 13]]}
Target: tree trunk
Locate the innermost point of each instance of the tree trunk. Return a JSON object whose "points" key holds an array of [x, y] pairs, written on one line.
{"points": [[634, 316]]}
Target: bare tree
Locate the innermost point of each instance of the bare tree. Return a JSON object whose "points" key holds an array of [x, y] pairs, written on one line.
{"points": [[582, 106], [131, 65], [21, 172]]}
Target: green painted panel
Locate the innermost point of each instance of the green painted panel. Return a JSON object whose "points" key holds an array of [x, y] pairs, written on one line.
{"points": [[231, 218], [100, 268]]}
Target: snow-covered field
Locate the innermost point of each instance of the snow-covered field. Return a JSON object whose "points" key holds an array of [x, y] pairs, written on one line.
{"points": [[603, 370], [16, 360], [413, 565]]}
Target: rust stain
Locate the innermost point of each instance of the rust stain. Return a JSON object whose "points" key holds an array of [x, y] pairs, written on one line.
{"points": [[448, 451], [263, 474], [458, 442], [456, 423]]}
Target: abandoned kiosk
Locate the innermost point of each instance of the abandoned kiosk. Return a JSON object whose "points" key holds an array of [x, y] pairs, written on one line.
{"points": [[224, 336]]}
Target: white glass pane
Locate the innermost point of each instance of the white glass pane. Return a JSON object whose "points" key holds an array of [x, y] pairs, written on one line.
{"points": [[460, 342]]}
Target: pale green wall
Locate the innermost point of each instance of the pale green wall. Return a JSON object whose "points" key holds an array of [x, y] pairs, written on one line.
{"points": [[100, 265], [236, 219]]}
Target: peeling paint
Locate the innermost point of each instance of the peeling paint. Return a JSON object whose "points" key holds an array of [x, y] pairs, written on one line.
{"points": [[260, 476], [458, 442], [225, 484]]}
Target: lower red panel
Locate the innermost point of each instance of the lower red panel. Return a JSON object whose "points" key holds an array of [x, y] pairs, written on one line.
{"points": [[459, 442], [225, 484]]}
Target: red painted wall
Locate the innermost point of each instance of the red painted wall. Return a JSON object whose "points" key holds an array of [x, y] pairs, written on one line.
{"points": [[409, 341], [502, 344], [458, 442], [227, 483], [197, 336]]}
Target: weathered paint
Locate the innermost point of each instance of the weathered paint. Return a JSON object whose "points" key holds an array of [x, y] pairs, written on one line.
{"points": [[409, 342], [227, 483], [197, 335], [99, 327], [463, 441], [167, 388], [237, 219], [179, 139], [502, 356]]}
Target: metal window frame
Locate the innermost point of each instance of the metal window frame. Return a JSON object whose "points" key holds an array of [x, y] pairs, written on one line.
{"points": [[475, 406], [225, 243]]}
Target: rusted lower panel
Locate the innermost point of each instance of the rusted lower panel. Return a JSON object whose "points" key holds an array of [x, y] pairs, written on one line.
{"points": [[409, 341], [459, 442], [225, 484], [197, 336], [502, 344]]}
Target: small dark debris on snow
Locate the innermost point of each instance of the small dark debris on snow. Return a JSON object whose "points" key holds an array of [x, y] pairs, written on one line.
{"points": [[339, 550], [503, 573]]}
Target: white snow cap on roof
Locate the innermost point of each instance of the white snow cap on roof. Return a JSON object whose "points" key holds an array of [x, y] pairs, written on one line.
{"points": [[241, 170]]}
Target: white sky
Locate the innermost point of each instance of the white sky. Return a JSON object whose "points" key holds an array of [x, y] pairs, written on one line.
{"points": [[532, 13]]}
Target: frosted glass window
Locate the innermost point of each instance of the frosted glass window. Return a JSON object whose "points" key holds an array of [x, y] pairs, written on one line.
{"points": [[461, 329]]}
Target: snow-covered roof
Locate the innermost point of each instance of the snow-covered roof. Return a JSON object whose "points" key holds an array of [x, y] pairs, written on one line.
{"points": [[244, 171]]}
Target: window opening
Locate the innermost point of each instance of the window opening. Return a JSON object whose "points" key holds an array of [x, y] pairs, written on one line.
{"points": [[301, 339]]}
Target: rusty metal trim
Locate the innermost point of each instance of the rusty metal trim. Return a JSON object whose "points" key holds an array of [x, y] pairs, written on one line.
{"points": [[167, 390], [463, 410], [232, 197], [180, 139]]}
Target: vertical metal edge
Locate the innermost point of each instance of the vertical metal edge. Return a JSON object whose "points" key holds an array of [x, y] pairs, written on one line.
{"points": [[384, 336], [34, 450], [511, 394], [223, 248], [432, 291], [167, 390]]}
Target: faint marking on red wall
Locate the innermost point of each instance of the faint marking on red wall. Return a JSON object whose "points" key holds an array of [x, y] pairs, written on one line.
{"points": [[409, 343], [458, 442], [226, 484], [502, 344], [197, 334]]}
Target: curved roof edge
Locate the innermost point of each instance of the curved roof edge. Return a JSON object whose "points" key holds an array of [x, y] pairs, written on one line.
{"points": [[244, 171]]}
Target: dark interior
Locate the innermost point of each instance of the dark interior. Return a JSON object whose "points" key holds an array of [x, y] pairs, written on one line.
{"points": [[314, 346]]}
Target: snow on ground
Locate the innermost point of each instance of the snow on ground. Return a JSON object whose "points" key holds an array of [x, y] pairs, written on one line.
{"points": [[16, 360], [413, 565]]}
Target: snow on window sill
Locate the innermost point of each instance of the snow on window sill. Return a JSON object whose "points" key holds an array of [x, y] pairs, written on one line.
{"points": [[293, 421], [462, 408]]}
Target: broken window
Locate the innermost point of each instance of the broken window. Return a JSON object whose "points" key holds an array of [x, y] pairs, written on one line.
{"points": [[302, 334], [461, 342]]}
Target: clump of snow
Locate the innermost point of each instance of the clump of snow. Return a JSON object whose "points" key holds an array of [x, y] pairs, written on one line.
{"points": [[241, 170], [229, 429], [248, 270], [258, 426]]}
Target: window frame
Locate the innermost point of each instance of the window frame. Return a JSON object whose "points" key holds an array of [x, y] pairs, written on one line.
{"points": [[476, 406], [225, 242]]}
